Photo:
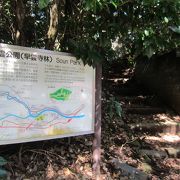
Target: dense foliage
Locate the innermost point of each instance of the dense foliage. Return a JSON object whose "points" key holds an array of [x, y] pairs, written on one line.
{"points": [[93, 30]]}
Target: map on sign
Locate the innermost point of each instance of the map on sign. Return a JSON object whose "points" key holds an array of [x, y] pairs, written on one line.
{"points": [[43, 95]]}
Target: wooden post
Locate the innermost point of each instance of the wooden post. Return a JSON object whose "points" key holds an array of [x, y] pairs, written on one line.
{"points": [[97, 128]]}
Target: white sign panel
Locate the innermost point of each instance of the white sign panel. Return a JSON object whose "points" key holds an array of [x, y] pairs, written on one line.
{"points": [[44, 95]]}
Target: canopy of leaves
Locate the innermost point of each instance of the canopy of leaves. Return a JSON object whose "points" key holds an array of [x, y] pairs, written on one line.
{"points": [[97, 30]]}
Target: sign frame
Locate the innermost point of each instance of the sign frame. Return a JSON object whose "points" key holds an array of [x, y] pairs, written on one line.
{"points": [[26, 140]]}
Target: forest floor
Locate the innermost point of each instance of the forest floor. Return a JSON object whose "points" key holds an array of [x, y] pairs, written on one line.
{"points": [[143, 143]]}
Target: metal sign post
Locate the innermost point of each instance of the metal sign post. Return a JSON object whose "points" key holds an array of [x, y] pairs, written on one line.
{"points": [[97, 126]]}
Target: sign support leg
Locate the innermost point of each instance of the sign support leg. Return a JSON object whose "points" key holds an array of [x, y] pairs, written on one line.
{"points": [[97, 128]]}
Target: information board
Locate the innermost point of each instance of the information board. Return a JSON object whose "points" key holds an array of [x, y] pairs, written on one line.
{"points": [[44, 95]]}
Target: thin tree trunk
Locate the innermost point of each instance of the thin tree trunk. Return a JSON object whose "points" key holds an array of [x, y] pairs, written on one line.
{"points": [[19, 26], [53, 25]]}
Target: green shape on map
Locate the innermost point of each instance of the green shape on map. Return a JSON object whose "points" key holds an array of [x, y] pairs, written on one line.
{"points": [[40, 118], [61, 94]]}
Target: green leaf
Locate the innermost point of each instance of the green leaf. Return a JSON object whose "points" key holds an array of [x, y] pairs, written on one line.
{"points": [[43, 3], [118, 108], [166, 19], [175, 29], [2, 161], [149, 52], [146, 32], [114, 4], [90, 5]]}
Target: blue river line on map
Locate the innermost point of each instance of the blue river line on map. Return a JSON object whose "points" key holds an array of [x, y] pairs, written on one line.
{"points": [[45, 110]]}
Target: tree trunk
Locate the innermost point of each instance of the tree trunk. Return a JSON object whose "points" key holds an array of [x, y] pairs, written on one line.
{"points": [[53, 25], [19, 26]]}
